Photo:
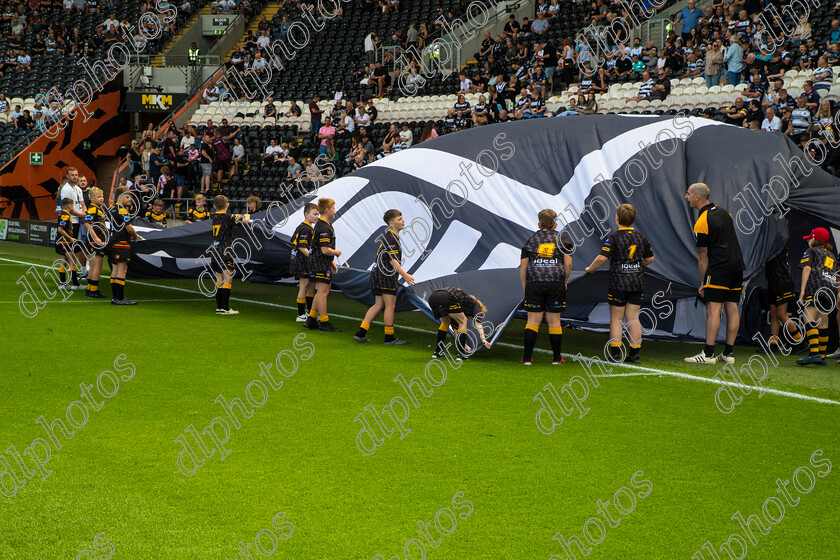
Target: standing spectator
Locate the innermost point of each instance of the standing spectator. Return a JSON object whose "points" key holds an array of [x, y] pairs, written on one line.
{"points": [[721, 272], [222, 159], [315, 114], [207, 156], [73, 191], [734, 60], [714, 63], [370, 47], [156, 163], [326, 134], [689, 16]]}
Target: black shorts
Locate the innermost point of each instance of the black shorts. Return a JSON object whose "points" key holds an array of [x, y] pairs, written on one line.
{"points": [[225, 264], [119, 252], [384, 291], [299, 267], [443, 304], [620, 298], [545, 296], [220, 165], [825, 300], [95, 251], [383, 283], [321, 277], [780, 294], [723, 285], [77, 228], [62, 249]]}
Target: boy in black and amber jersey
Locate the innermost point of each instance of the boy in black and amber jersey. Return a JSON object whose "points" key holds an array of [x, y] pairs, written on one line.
{"points": [[628, 252], [545, 266], [818, 294], [322, 265], [299, 267], [200, 212], [383, 279], [97, 240], [452, 304], [157, 213], [64, 243], [222, 261], [780, 291], [119, 248]]}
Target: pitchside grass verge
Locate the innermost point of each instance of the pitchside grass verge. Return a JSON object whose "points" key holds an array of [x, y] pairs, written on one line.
{"points": [[298, 454]]}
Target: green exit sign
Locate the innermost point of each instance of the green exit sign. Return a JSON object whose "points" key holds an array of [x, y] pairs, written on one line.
{"points": [[36, 158], [218, 32], [86, 144]]}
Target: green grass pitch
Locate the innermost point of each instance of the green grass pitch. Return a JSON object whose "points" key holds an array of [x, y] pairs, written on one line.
{"points": [[475, 434]]}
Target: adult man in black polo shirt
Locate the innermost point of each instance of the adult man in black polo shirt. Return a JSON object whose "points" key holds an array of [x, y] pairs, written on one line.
{"points": [[721, 272]]}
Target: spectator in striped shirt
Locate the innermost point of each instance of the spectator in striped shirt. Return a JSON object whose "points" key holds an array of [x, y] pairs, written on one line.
{"points": [[694, 67], [823, 75], [646, 88], [800, 120]]}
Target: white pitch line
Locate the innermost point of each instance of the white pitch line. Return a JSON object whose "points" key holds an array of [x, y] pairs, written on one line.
{"points": [[641, 370]]}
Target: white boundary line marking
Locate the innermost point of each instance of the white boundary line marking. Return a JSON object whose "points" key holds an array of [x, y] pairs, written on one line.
{"points": [[641, 371]]}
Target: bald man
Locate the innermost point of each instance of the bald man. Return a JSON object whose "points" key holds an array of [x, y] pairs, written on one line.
{"points": [[721, 272]]}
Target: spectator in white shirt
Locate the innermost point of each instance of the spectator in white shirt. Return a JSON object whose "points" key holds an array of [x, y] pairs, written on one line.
{"points": [[264, 41], [211, 95], [112, 22], [407, 136], [771, 123]]}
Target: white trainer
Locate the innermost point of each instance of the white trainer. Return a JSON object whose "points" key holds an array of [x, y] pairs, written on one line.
{"points": [[701, 358]]}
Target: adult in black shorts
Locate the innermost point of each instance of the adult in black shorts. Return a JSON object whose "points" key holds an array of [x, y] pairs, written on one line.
{"points": [[545, 266], [452, 304], [721, 272], [629, 252]]}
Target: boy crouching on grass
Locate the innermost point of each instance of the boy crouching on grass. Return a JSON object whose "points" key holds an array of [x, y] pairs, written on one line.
{"points": [[299, 267], [221, 260], [383, 279], [199, 212], [97, 239], [629, 252], [64, 244], [157, 213]]}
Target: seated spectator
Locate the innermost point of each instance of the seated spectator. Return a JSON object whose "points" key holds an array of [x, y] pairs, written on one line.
{"points": [[771, 122], [754, 114], [390, 138], [823, 76], [16, 114], [312, 176], [25, 121], [536, 105], [623, 67], [601, 83], [834, 35], [811, 96], [737, 114], [450, 122], [211, 94], [694, 66], [575, 107], [462, 108], [293, 170], [646, 88], [800, 120], [755, 90], [539, 25], [24, 61], [481, 113], [407, 136]]}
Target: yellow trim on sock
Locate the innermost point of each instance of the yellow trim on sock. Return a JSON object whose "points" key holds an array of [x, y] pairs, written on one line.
{"points": [[324, 318], [443, 327], [389, 330], [634, 345], [117, 281], [797, 336], [73, 268], [227, 286], [310, 295], [301, 300], [773, 340], [555, 330], [462, 330], [62, 270], [93, 288], [529, 327], [313, 313], [615, 344], [366, 325], [219, 284]]}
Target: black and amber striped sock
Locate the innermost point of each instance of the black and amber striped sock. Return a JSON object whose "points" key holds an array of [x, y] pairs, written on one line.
{"points": [[796, 335], [813, 335], [555, 337], [389, 333], [441, 337], [62, 274], [74, 275], [634, 349], [529, 341], [301, 303], [310, 297], [117, 288], [226, 296], [363, 329], [823, 342], [93, 286]]}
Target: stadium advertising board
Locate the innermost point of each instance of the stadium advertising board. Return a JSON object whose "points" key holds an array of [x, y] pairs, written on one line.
{"points": [[154, 102], [17, 230], [41, 233], [4, 225]]}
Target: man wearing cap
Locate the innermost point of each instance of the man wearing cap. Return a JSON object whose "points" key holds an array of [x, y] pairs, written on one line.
{"points": [[721, 272]]}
